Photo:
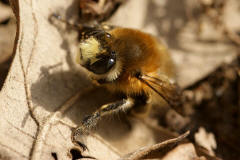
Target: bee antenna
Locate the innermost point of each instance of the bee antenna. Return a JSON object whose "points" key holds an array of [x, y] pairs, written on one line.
{"points": [[59, 18]]}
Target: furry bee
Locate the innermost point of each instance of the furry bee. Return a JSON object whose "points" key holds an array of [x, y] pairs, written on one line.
{"points": [[127, 61], [130, 62]]}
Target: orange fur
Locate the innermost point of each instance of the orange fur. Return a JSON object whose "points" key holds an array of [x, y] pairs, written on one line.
{"points": [[139, 51]]}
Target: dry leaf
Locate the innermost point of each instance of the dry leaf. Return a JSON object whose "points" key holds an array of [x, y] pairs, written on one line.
{"points": [[6, 12], [206, 140], [34, 92], [37, 99], [159, 149], [98, 10], [7, 33], [183, 152]]}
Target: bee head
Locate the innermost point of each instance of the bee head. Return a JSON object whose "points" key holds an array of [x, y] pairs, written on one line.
{"points": [[95, 53]]}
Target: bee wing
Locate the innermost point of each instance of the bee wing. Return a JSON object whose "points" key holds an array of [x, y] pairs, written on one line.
{"points": [[163, 86]]}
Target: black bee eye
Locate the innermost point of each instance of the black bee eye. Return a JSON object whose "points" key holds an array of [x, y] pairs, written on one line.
{"points": [[108, 35], [103, 65], [111, 62]]}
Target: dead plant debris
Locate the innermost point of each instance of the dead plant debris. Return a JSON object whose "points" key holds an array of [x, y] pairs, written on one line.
{"points": [[45, 95]]}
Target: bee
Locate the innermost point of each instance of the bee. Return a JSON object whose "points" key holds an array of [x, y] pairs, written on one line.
{"points": [[127, 61]]}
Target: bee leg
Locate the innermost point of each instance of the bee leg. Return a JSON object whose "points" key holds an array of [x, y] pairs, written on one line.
{"points": [[143, 113], [91, 121], [142, 106]]}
